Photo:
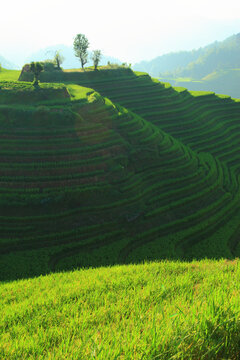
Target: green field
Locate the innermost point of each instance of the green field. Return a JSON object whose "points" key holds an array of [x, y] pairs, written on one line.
{"points": [[107, 168], [9, 75], [166, 310]]}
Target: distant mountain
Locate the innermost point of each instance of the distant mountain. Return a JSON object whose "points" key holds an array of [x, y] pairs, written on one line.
{"points": [[8, 64], [168, 62], [195, 64], [215, 67], [70, 61], [220, 56]]}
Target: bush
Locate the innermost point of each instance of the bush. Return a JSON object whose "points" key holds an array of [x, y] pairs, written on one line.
{"points": [[113, 65], [48, 65]]}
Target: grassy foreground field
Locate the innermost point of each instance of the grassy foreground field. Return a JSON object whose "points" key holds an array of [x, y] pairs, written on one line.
{"points": [[9, 75], [165, 310]]}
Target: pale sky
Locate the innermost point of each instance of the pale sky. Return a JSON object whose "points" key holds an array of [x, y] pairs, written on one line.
{"points": [[131, 30]]}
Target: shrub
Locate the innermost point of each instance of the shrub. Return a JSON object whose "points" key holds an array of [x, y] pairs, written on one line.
{"points": [[48, 65]]}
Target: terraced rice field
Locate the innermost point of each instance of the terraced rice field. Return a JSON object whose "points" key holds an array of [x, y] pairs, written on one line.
{"points": [[113, 169]]}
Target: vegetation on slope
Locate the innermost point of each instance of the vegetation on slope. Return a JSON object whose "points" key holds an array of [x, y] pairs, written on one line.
{"points": [[15, 92], [188, 117], [85, 182], [166, 310]]}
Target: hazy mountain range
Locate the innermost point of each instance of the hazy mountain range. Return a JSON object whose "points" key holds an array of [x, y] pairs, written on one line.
{"points": [[215, 67], [196, 63]]}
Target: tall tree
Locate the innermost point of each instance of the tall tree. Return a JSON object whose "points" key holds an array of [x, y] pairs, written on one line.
{"points": [[96, 57], [80, 46], [58, 59], [36, 68]]}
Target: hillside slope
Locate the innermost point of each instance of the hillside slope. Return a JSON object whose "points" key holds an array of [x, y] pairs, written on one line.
{"points": [[202, 120], [86, 182], [150, 311]]}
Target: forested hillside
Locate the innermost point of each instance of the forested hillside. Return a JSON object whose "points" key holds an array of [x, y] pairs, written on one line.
{"points": [[195, 64], [215, 67]]}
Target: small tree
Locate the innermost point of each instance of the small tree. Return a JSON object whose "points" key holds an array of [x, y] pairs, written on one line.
{"points": [[36, 68], [58, 59], [96, 57], [80, 46]]}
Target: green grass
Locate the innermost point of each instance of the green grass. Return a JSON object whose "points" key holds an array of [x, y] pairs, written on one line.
{"points": [[201, 93], [9, 75], [166, 310], [78, 92], [25, 93]]}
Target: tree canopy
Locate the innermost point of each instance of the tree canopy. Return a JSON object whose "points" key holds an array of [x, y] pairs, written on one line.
{"points": [[58, 59], [36, 68], [80, 46], [96, 57]]}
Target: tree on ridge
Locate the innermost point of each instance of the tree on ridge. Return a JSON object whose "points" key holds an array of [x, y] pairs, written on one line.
{"points": [[96, 57], [36, 68], [80, 46], [58, 59]]}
